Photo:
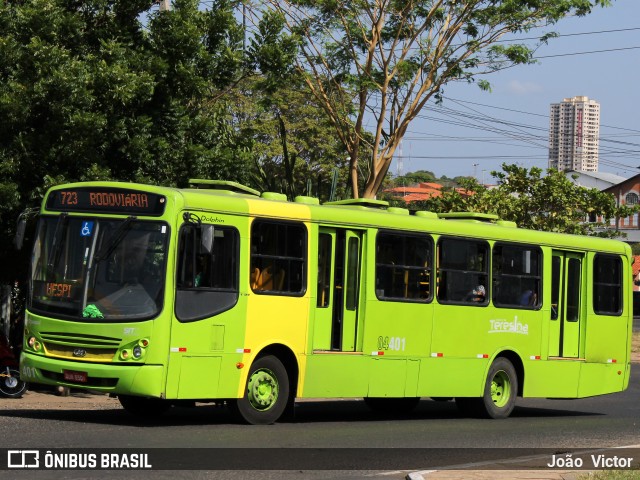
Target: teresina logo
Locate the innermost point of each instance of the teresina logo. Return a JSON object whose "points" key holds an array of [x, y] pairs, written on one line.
{"points": [[506, 326]]}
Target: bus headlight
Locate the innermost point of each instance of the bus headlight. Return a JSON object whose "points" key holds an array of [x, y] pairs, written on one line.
{"points": [[134, 350], [34, 344]]}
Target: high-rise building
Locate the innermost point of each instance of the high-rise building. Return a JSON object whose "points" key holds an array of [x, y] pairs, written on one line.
{"points": [[574, 130]]}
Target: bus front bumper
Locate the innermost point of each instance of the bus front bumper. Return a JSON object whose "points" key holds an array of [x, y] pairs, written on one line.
{"points": [[145, 380]]}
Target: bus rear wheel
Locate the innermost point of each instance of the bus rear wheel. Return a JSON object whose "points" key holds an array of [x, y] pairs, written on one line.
{"points": [[266, 394], [500, 392]]}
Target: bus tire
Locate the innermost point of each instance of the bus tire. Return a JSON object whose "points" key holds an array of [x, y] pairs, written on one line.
{"points": [[266, 394], [500, 390], [144, 407]]}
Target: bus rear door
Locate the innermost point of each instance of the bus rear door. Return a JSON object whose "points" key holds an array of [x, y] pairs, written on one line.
{"points": [[336, 324], [566, 303]]}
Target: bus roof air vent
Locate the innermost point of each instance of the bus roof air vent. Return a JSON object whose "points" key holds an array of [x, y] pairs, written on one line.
{"points": [[478, 217], [278, 197], [398, 210], [307, 200], [360, 202], [426, 214], [222, 185]]}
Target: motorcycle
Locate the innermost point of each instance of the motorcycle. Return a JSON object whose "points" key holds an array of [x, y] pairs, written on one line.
{"points": [[10, 384]]}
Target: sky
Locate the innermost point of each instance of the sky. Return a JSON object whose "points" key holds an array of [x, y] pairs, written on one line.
{"points": [[474, 132]]}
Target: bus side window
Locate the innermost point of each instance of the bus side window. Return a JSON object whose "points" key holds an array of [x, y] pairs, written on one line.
{"points": [[278, 257], [207, 278], [463, 268], [403, 269], [517, 276], [607, 285]]}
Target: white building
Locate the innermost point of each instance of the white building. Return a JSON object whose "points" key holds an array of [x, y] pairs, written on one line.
{"points": [[599, 180], [574, 131]]}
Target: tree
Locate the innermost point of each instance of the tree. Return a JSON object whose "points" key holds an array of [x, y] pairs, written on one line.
{"points": [[381, 61], [550, 202], [89, 92], [412, 178], [292, 145]]}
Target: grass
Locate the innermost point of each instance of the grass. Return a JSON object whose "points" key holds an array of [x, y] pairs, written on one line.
{"points": [[612, 475]]}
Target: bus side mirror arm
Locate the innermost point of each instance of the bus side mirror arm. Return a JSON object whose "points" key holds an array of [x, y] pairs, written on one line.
{"points": [[18, 239]]}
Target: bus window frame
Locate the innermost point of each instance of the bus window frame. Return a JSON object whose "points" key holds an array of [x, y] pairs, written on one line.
{"points": [[304, 259], [200, 295], [540, 276], [620, 285], [428, 268], [486, 272]]}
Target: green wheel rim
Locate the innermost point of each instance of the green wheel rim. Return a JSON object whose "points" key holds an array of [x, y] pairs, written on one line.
{"points": [[262, 389], [500, 389]]}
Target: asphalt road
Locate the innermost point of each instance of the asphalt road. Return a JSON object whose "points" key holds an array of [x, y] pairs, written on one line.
{"points": [[606, 421]]}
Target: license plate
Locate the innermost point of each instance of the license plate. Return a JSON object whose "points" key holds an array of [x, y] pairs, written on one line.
{"points": [[77, 377]]}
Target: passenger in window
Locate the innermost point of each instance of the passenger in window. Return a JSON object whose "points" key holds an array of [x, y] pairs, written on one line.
{"points": [[528, 298], [477, 295], [201, 276]]}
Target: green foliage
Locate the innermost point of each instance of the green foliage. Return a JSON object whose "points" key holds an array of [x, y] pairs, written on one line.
{"points": [[413, 178], [118, 90], [293, 148], [548, 202], [90, 92]]}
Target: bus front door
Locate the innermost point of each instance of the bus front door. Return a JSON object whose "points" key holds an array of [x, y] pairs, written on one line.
{"points": [[566, 314], [339, 263]]}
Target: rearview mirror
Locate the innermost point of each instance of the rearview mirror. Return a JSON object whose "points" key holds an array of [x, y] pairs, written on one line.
{"points": [[18, 240], [206, 239]]}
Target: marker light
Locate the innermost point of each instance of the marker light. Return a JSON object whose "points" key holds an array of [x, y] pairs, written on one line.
{"points": [[124, 354], [31, 342]]}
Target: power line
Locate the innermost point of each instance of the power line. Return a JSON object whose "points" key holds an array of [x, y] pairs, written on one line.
{"points": [[586, 53], [617, 30]]}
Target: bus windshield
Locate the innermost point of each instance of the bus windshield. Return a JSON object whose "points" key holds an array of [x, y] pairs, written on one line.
{"points": [[98, 269]]}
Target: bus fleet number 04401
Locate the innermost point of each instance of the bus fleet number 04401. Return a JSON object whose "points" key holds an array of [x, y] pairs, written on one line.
{"points": [[392, 343]]}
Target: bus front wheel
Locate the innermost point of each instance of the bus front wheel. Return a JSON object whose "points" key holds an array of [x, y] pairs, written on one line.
{"points": [[266, 394]]}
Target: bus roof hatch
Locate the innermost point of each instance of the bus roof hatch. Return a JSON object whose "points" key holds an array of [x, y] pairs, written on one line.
{"points": [[222, 185]]}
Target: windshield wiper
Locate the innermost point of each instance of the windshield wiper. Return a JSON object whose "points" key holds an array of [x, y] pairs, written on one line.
{"points": [[115, 240], [56, 244]]}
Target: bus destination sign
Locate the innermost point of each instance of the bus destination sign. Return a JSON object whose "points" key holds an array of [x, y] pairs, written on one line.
{"points": [[106, 200]]}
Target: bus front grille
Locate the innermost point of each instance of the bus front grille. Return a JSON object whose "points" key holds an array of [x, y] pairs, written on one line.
{"points": [[80, 353]]}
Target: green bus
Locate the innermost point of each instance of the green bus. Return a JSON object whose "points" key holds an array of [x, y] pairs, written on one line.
{"points": [[220, 293]]}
